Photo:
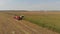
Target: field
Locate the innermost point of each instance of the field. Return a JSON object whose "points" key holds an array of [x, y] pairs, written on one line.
{"points": [[37, 22], [51, 20]]}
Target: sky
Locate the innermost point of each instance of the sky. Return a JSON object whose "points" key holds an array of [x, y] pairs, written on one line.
{"points": [[29, 4]]}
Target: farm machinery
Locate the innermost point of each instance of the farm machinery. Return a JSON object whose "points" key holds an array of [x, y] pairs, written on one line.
{"points": [[19, 17]]}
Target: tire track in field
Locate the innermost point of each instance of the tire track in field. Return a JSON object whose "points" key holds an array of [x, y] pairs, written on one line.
{"points": [[29, 27], [25, 28], [18, 28]]}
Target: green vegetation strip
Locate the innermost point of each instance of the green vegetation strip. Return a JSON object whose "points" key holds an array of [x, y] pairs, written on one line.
{"points": [[52, 22]]}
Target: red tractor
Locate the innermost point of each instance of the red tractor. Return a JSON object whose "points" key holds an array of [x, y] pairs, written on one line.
{"points": [[18, 17]]}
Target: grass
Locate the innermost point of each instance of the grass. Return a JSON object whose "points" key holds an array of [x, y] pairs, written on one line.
{"points": [[50, 21]]}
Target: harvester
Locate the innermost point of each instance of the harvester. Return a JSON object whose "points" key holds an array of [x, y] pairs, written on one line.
{"points": [[19, 17]]}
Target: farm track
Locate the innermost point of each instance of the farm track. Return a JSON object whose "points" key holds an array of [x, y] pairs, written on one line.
{"points": [[12, 26]]}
